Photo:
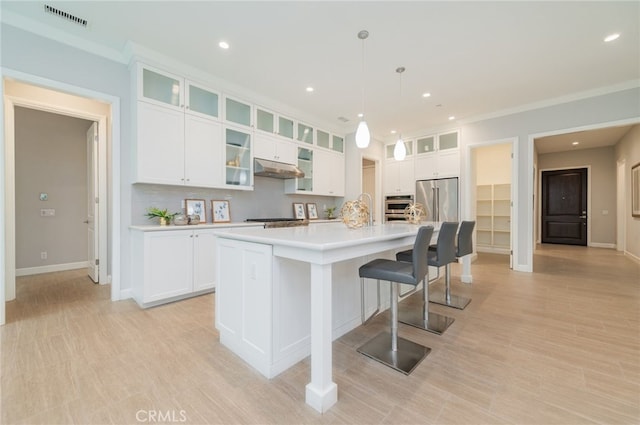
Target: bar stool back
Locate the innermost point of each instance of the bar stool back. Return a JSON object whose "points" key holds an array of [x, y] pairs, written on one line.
{"points": [[387, 348], [464, 247]]}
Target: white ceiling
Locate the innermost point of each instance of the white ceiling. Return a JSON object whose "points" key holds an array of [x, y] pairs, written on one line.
{"points": [[586, 139], [475, 58]]}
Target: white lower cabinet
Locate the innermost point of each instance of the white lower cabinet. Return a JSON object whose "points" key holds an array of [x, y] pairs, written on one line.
{"points": [[173, 264], [266, 318], [399, 177]]}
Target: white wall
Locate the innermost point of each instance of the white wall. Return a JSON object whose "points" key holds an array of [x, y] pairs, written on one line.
{"points": [[628, 149]]}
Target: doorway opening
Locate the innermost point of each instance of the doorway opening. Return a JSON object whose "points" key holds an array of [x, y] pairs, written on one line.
{"points": [[492, 187], [370, 178], [564, 206], [19, 91]]}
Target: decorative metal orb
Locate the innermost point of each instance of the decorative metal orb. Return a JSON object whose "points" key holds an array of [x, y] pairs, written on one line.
{"points": [[354, 214], [414, 213]]}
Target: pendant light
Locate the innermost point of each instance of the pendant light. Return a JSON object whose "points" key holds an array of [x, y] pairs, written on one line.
{"points": [[400, 150], [362, 133]]}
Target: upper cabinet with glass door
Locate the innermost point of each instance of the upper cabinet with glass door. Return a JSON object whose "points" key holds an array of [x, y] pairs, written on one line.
{"points": [[330, 141], [237, 111], [172, 91], [305, 133], [160, 87], [408, 144]]}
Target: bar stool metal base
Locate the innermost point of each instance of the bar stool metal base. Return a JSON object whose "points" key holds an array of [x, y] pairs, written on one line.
{"points": [[405, 359], [454, 301], [436, 323]]}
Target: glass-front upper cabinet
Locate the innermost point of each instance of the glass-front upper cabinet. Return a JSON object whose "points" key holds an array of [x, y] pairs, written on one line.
{"points": [[202, 101], [408, 144], [265, 120], [338, 144], [305, 133], [426, 145], [160, 87], [448, 141], [323, 139], [237, 112], [285, 127], [305, 163], [238, 170]]}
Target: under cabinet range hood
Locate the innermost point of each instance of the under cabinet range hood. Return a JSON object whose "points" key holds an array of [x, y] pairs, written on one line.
{"points": [[279, 170]]}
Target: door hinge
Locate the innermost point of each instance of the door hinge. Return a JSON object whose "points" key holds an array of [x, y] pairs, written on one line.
{"points": [[511, 155], [97, 200], [97, 262]]}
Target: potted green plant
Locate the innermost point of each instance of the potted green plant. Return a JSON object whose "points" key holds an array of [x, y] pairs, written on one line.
{"points": [[330, 211], [164, 216]]}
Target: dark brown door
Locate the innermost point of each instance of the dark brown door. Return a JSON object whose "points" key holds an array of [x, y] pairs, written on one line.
{"points": [[564, 207]]}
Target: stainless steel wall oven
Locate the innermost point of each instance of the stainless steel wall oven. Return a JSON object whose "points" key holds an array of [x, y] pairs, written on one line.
{"points": [[394, 207]]}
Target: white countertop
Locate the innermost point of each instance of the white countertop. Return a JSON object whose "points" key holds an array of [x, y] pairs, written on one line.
{"points": [[324, 236], [240, 224]]}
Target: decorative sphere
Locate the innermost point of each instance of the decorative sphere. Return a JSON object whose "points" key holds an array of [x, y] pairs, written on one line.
{"points": [[354, 214], [414, 213]]}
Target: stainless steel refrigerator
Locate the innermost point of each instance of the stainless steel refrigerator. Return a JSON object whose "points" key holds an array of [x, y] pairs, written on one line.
{"points": [[439, 198]]}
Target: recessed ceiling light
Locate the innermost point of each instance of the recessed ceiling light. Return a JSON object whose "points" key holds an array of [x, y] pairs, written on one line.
{"points": [[223, 45], [360, 115], [451, 118], [426, 94], [575, 143], [612, 37], [393, 132], [309, 89]]}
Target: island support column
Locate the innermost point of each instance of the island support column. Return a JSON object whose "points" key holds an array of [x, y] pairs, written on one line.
{"points": [[466, 276], [321, 392]]}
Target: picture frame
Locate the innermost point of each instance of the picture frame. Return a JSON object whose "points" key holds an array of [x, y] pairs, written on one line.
{"points": [[312, 211], [298, 211], [196, 206], [220, 211], [635, 190]]}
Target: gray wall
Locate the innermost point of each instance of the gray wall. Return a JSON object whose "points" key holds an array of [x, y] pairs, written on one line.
{"points": [[602, 164], [50, 157]]}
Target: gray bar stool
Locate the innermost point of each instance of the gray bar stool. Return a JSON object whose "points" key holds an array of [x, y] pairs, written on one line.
{"points": [[464, 247], [422, 318], [387, 348]]}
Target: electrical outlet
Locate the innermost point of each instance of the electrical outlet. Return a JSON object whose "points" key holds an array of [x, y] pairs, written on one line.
{"points": [[43, 255]]}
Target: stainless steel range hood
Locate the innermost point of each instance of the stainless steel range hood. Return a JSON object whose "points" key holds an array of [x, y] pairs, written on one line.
{"points": [[279, 170]]}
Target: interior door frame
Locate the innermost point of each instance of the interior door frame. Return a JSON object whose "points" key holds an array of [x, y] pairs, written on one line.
{"points": [[470, 189], [539, 196], [109, 176]]}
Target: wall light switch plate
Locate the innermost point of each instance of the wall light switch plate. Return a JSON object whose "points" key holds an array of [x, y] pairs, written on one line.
{"points": [[47, 212], [44, 197]]}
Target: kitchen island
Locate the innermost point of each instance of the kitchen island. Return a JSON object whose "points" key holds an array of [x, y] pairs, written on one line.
{"points": [[285, 293]]}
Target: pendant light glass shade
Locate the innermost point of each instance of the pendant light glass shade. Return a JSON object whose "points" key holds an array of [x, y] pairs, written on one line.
{"points": [[362, 135], [400, 150]]}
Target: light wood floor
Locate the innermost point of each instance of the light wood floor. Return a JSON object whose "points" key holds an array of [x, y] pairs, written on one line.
{"points": [[558, 346]]}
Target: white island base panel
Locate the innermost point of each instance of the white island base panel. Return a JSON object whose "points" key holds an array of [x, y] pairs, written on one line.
{"points": [[286, 293], [266, 316]]}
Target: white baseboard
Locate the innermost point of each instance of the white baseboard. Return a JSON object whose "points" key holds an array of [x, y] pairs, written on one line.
{"points": [[125, 294], [602, 245], [633, 257], [28, 271]]}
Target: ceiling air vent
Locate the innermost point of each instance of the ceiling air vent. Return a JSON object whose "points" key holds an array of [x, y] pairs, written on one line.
{"points": [[65, 15], [343, 119]]}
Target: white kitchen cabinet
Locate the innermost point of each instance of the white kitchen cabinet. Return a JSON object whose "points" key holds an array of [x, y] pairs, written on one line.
{"points": [[172, 264], [398, 175], [437, 156], [237, 111], [329, 173], [238, 168], [329, 141], [274, 148], [177, 143], [323, 173]]}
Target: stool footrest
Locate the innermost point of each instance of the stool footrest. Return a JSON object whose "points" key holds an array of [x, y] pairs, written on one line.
{"points": [[408, 356], [454, 301], [414, 316]]}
